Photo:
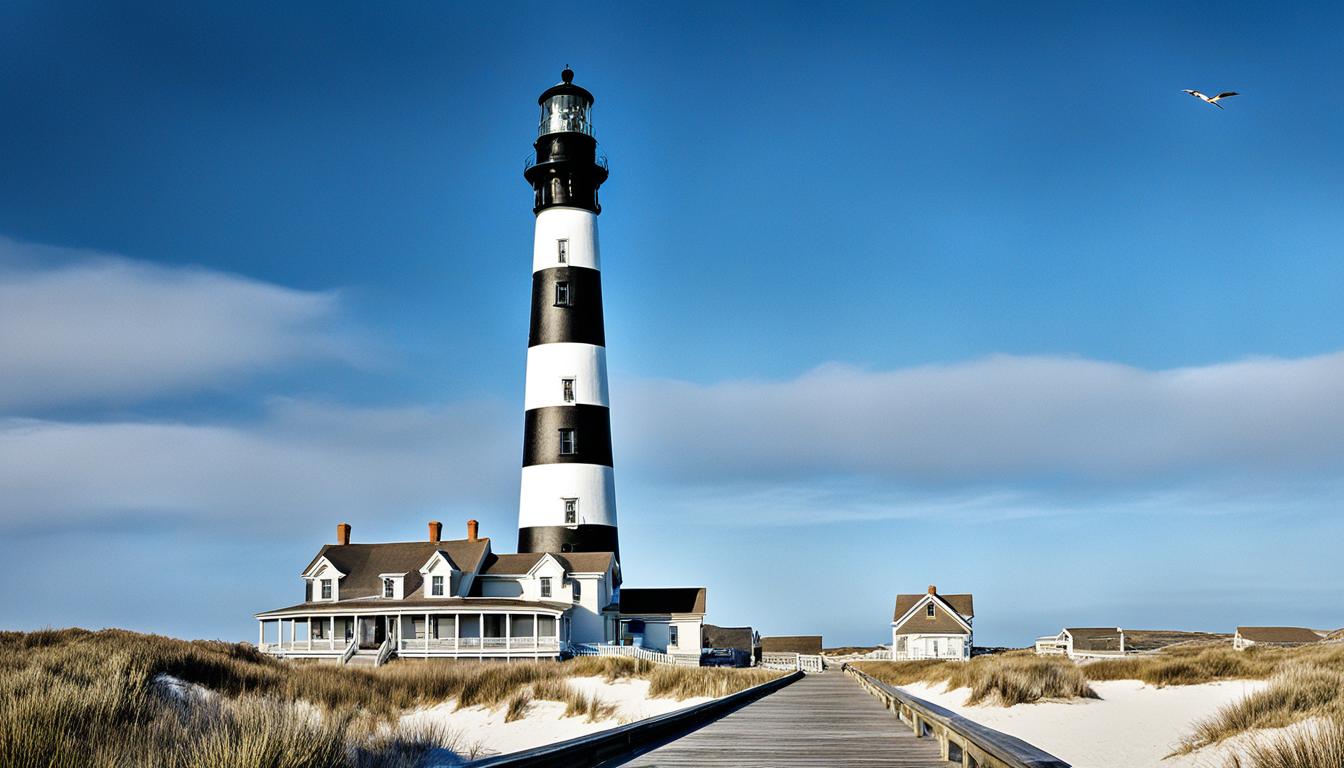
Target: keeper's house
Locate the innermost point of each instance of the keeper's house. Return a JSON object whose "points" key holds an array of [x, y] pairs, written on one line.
{"points": [[932, 626], [1283, 637]]}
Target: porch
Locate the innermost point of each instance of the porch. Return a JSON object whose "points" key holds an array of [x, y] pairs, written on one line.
{"points": [[479, 634]]}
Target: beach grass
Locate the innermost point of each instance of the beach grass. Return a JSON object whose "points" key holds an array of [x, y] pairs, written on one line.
{"points": [[1316, 745], [1002, 679], [111, 698]]}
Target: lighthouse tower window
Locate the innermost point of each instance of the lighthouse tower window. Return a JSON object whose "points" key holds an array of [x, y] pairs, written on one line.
{"points": [[568, 446], [571, 511], [567, 389], [562, 294], [562, 247]]}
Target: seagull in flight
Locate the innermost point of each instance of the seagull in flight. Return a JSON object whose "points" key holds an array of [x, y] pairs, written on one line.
{"points": [[1214, 100]]}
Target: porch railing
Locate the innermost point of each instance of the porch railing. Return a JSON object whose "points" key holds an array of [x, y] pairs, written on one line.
{"points": [[350, 651], [635, 652], [481, 644], [385, 651]]}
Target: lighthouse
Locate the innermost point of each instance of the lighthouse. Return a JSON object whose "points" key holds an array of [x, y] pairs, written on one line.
{"points": [[568, 497]]}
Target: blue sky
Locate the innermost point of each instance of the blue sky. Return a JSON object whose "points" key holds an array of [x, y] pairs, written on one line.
{"points": [[898, 294]]}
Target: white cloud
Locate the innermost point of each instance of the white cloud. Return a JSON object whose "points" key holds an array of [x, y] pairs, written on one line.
{"points": [[998, 422], [78, 326], [303, 464]]}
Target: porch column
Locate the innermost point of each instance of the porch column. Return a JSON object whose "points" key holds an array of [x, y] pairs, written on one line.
{"points": [[261, 633], [536, 619], [480, 649], [457, 633], [331, 638], [310, 633], [508, 631], [426, 634], [399, 642]]}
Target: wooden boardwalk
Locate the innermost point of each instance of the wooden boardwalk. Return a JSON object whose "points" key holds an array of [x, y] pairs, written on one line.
{"points": [[821, 720]]}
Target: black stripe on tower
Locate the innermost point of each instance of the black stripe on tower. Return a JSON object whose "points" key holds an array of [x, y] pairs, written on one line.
{"points": [[567, 307], [569, 538], [588, 440]]}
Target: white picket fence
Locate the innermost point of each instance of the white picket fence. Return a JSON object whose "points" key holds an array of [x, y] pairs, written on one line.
{"points": [[634, 652], [793, 661]]}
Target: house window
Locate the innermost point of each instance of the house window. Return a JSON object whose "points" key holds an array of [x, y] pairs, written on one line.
{"points": [[326, 589], [567, 389], [389, 588], [672, 635], [562, 250], [545, 586], [562, 294], [928, 611], [577, 588], [571, 511], [436, 587], [568, 445]]}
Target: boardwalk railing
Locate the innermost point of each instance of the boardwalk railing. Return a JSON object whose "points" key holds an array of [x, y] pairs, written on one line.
{"points": [[976, 746], [799, 661], [598, 748]]}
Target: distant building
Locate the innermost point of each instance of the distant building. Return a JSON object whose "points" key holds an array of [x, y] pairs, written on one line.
{"points": [[806, 645], [1277, 636], [1083, 642], [729, 646], [932, 626]]}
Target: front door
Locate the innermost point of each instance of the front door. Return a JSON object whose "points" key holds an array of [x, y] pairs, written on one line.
{"points": [[370, 632]]}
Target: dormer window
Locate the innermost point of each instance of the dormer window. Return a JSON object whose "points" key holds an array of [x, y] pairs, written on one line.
{"points": [[929, 611], [577, 589], [545, 586], [436, 586], [326, 589], [389, 588]]}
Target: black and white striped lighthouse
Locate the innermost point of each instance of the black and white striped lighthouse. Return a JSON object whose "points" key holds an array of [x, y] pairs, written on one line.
{"points": [[568, 499]]}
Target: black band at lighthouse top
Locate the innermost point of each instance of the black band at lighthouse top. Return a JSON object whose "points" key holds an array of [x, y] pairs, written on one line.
{"points": [[591, 435], [567, 307]]}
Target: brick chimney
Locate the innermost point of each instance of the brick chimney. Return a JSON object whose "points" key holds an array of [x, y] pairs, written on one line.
{"points": [[933, 590], [343, 533], [472, 528], [435, 530]]}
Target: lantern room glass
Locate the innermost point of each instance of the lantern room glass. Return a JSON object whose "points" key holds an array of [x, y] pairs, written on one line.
{"points": [[565, 112]]}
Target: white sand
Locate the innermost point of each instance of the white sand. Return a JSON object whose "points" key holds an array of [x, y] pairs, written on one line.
{"points": [[1133, 724], [545, 722]]}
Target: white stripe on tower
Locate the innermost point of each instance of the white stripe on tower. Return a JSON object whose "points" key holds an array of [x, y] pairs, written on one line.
{"points": [[568, 496]]}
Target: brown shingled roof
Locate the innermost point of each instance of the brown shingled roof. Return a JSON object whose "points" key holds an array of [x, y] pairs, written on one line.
{"points": [[740, 638], [659, 600], [574, 562], [1095, 638], [962, 604], [362, 564], [1294, 635], [808, 645]]}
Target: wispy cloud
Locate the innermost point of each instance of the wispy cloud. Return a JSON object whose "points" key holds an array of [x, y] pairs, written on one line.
{"points": [[1000, 422], [84, 327], [302, 465]]}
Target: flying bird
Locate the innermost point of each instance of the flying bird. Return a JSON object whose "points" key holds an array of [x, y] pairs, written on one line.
{"points": [[1214, 100]]}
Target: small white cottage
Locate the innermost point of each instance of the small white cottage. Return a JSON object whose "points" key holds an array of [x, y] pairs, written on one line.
{"points": [[932, 626]]}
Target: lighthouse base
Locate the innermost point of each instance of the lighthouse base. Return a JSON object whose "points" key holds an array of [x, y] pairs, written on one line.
{"points": [[568, 538]]}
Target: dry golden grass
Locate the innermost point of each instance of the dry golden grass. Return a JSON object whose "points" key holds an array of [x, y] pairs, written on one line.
{"points": [[1004, 679], [1190, 665], [76, 698], [1317, 746], [1297, 692]]}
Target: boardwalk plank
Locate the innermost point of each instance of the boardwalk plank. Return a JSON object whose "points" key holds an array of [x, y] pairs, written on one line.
{"points": [[821, 720]]}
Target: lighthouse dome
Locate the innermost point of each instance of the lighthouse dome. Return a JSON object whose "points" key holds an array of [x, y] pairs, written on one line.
{"points": [[566, 108]]}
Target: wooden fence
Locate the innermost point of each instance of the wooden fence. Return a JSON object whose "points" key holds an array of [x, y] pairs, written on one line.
{"points": [[975, 745]]}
